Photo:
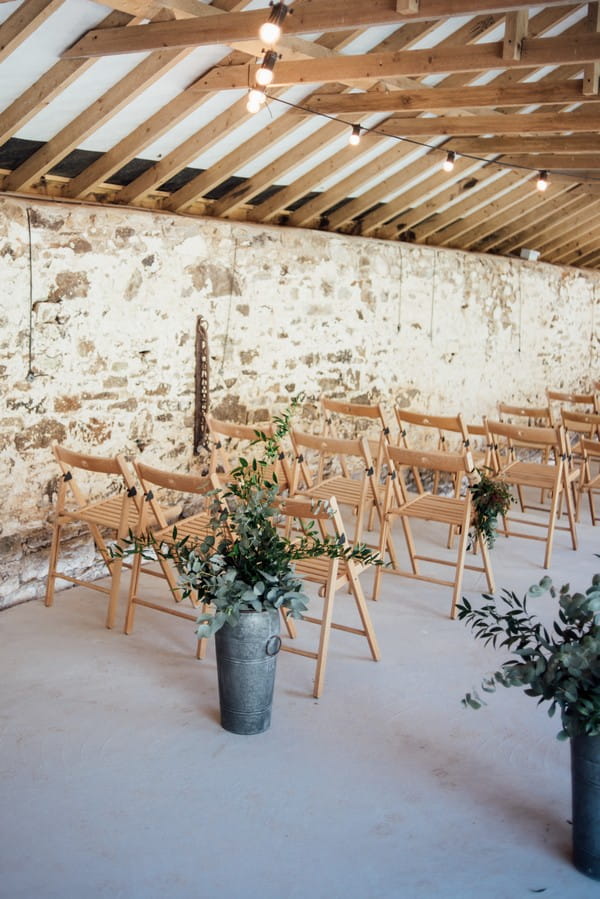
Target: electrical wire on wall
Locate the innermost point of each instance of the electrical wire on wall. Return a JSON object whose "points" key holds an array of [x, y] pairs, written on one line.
{"points": [[593, 334], [30, 373], [228, 321], [400, 285], [520, 289], [432, 298]]}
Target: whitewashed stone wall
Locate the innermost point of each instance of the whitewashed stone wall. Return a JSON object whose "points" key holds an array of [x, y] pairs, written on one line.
{"points": [[100, 353]]}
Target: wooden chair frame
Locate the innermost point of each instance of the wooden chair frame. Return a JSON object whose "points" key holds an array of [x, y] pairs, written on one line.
{"points": [[567, 399], [552, 476], [360, 494], [588, 482], [332, 575], [336, 410], [535, 417], [455, 511], [118, 514], [441, 426], [224, 432], [153, 520]]}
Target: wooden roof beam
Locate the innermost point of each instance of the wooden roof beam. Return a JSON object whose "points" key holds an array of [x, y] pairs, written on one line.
{"points": [[23, 22], [500, 196], [50, 84], [557, 162], [515, 31], [427, 220], [250, 150], [536, 233], [437, 182], [185, 153], [149, 131], [527, 144], [443, 99], [514, 205], [239, 195], [91, 119], [307, 213], [534, 123], [591, 72], [537, 52], [585, 257], [581, 239], [392, 184], [548, 208], [308, 17]]}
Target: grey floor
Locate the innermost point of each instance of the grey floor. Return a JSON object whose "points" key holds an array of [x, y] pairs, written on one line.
{"points": [[117, 780]]}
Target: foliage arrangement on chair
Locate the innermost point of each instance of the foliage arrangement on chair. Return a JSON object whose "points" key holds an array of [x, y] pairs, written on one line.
{"points": [[491, 498], [560, 666], [246, 563]]}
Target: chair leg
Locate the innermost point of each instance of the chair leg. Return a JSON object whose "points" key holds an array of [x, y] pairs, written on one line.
{"points": [[383, 542], [570, 513], [135, 577], [52, 563], [290, 624], [410, 543], [487, 564], [460, 567], [116, 568], [365, 618], [324, 638], [556, 499]]}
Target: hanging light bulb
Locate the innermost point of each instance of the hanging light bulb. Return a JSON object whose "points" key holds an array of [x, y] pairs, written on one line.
{"points": [[264, 75], [256, 99], [270, 31], [542, 181], [448, 163], [354, 138]]}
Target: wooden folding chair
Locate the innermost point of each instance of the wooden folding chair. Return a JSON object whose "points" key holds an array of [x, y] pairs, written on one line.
{"points": [[456, 512], [356, 420], [331, 575], [116, 513], [513, 462], [478, 444], [442, 433], [159, 487], [531, 417], [318, 473], [229, 438], [589, 481], [225, 438], [577, 402], [578, 425]]}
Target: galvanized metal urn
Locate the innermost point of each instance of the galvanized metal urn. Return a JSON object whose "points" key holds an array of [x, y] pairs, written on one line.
{"points": [[246, 659], [585, 781]]}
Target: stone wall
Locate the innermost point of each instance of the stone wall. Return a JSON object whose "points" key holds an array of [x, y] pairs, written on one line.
{"points": [[98, 316]]}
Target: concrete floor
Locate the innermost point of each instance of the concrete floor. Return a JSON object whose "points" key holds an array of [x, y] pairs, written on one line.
{"points": [[116, 779]]}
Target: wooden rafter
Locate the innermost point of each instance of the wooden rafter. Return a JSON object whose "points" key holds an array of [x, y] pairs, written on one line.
{"points": [[308, 18], [23, 22], [413, 89], [535, 53], [444, 99]]}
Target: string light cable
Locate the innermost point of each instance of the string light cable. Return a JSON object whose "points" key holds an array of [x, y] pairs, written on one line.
{"points": [[542, 176]]}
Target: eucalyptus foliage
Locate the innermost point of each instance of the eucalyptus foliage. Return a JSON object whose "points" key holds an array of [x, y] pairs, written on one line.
{"points": [[246, 563], [560, 666], [491, 498]]}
